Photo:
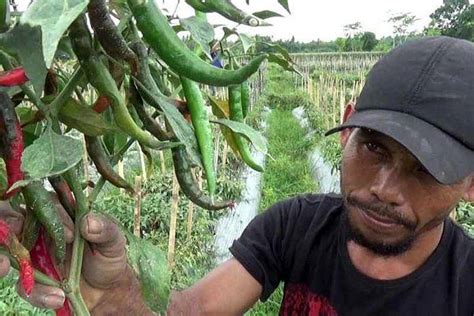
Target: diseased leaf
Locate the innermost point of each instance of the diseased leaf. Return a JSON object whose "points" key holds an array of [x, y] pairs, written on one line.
{"points": [[182, 129], [151, 267], [257, 140], [266, 14], [53, 17], [51, 154], [201, 31], [83, 119]]}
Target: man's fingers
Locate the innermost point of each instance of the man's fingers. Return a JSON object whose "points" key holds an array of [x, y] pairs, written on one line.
{"points": [[105, 234], [106, 261], [4, 266], [43, 296]]}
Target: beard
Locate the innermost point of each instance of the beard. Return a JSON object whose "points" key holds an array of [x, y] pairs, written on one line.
{"points": [[353, 233]]}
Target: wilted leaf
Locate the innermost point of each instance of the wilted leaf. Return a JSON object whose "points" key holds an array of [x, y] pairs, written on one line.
{"points": [[83, 119], [201, 31], [51, 154], [54, 17], [249, 133], [266, 14], [151, 267]]}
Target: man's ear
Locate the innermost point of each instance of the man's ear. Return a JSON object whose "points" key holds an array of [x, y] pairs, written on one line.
{"points": [[348, 112], [469, 194]]}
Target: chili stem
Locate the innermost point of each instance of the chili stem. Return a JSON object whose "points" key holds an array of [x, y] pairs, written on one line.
{"points": [[62, 97]]}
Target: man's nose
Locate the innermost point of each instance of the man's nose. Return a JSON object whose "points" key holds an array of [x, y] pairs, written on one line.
{"points": [[388, 186]]}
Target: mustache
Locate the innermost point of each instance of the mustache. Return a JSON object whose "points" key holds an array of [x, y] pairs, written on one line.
{"points": [[380, 209]]}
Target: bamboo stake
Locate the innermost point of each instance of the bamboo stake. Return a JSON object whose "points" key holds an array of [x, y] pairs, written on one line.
{"points": [[121, 171], [162, 162], [142, 163], [173, 219], [138, 206]]}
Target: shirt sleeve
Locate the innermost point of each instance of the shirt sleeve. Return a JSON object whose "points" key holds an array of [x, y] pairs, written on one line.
{"points": [[265, 246]]}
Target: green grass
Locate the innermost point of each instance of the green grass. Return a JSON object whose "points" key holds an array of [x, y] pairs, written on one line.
{"points": [[286, 174], [287, 170]]}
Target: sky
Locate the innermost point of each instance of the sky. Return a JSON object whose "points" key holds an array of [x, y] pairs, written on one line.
{"points": [[317, 19]]}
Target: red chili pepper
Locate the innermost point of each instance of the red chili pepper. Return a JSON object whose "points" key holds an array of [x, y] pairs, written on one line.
{"points": [[20, 253], [101, 104], [13, 161], [14, 77], [42, 261]]}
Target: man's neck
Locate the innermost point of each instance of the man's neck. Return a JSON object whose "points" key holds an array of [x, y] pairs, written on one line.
{"points": [[395, 267]]}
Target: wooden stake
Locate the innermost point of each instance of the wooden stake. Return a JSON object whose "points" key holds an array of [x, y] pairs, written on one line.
{"points": [[142, 163], [162, 162], [121, 172], [138, 206], [173, 219]]}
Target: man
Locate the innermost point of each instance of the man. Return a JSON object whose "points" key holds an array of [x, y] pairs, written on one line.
{"points": [[385, 247]]}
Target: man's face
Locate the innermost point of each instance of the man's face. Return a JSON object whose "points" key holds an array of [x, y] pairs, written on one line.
{"points": [[390, 198]]}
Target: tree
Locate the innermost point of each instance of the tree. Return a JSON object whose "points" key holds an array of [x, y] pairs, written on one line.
{"points": [[454, 18], [369, 41], [402, 23]]}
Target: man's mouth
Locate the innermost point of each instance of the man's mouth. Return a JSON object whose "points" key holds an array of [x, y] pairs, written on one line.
{"points": [[377, 221]]}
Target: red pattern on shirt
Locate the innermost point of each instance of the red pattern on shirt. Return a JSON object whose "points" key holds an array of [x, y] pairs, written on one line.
{"points": [[299, 300]]}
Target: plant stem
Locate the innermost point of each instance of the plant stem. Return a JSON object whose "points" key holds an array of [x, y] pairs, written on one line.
{"points": [[82, 208], [113, 161], [62, 97]]}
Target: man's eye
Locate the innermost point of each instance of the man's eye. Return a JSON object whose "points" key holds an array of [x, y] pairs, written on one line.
{"points": [[372, 147]]}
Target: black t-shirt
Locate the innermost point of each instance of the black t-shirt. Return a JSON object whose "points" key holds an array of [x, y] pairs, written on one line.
{"points": [[301, 242]]}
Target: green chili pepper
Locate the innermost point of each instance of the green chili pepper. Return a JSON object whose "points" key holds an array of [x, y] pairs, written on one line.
{"points": [[228, 10], [108, 35], [202, 130], [102, 163], [31, 228], [64, 193], [40, 201], [235, 114], [188, 183], [99, 77], [245, 95], [4, 15], [162, 38], [157, 76], [149, 123]]}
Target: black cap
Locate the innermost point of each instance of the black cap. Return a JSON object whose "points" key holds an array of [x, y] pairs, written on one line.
{"points": [[422, 95]]}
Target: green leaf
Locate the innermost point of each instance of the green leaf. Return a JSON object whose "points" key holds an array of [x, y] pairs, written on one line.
{"points": [[266, 14], [51, 154], [257, 140], [83, 119], [201, 31], [24, 41], [54, 17], [181, 128], [246, 41], [3, 178], [279, 49], [151, 267], [283, 62], [284, 4]]}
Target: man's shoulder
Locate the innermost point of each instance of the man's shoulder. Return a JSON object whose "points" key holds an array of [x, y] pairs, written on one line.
{"points": [[463, 245]]}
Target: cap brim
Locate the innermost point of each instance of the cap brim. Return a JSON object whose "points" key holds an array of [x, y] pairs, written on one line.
{"points": [[445, 158]]}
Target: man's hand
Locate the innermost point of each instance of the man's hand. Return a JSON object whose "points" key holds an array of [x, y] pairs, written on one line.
{"points": [[107, 283]]}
